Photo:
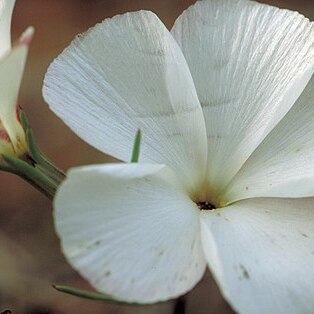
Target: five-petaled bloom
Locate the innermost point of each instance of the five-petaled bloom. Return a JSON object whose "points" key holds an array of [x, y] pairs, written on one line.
{"points": [[12, 62], [226, 172]]}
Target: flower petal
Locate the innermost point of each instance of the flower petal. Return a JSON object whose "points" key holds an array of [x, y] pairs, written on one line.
{"points": [[130, 230], [261, 252], [124, 74], [6, 147], [250, 62], [282, 166], [6, 9], [11, 72]]}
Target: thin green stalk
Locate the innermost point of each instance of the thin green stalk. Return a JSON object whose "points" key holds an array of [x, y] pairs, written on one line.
{"points": [[136, 146], [40, 158], [30, 174], [24, 120], [89, 295], [9, 169], [42, 162]]}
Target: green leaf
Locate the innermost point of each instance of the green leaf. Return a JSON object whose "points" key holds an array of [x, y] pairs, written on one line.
{"points": [[24, 120], [136, 146], [88, 294], [42, 161], [38, 156]]}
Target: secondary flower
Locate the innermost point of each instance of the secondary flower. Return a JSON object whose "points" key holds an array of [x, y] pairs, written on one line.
{"points": [[226, 172], [12, 62]]}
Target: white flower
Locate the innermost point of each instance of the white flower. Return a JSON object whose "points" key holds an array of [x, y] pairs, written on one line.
{"points": [[12, 62], [225, 105]]}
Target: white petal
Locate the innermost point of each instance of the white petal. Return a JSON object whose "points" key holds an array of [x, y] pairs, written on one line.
{"points": [[250, 62], [6, 9], [130, 230], [128, 73], [11, 72], [261, 252], [282, 165]]}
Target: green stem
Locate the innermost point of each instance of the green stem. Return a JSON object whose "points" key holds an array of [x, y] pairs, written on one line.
{"points": [[37, 158], [136, 146], [89, 295], [42, 161], [31, 174]]}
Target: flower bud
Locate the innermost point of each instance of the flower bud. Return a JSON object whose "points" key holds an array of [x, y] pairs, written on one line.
{"points": [[12, 62]]}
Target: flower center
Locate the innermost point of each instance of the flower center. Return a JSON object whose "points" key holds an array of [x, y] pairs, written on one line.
{"points": [[207, 197], [203, 205]]}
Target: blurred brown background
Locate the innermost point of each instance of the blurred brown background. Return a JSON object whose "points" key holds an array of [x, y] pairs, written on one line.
{"points": [[30, 258]]}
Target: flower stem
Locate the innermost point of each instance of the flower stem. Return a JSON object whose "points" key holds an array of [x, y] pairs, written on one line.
{"points": [[41, 160], [34, 167], [31, 174]]}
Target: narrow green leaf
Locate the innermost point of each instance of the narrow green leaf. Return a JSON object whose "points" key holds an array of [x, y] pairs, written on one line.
{"points": [[136, 146], [24, 120], [88, 294], [41, 159], [37, 154]]}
